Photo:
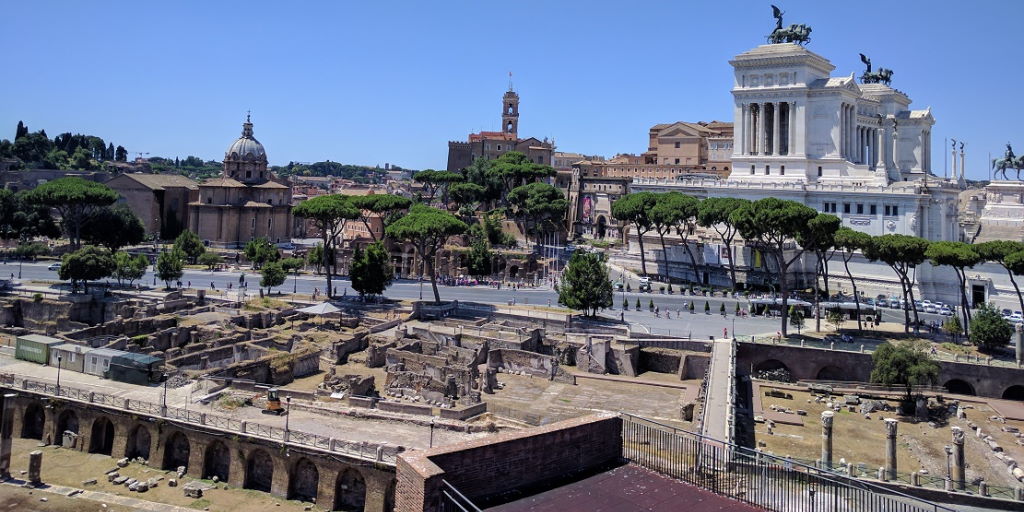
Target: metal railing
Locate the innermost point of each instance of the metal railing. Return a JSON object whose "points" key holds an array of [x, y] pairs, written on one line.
{"points": [[454, 501], [747, 475], [378, 453]]}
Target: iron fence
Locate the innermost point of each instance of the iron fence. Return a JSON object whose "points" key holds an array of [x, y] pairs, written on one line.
{"points": [[754, 477], [454, 501]]}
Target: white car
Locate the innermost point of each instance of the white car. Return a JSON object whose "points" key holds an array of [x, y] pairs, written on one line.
{"points": [[930, 308], [54, 267], [945, 311], [1016, 317]]}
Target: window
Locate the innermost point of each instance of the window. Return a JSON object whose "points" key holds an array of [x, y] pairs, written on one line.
{"points": [[248, 174], [751, 169], [209, 200], [677, 147], [677, 160], [895, 211], [499, 147], [874, 209], [819, 171], [782, 170], [846, 207], [860, 208], [767, 170]]}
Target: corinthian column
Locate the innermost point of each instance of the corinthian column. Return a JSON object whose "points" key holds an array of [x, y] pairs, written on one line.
{"points": [[890, 447], [958, 458], [826, 438], [775, 129]]}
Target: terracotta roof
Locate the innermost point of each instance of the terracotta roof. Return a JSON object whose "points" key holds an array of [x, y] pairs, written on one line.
{"points": [[491, 136], [270, 184], [222, 182], [162, 181]]}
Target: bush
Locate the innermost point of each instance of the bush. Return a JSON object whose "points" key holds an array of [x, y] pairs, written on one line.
{"points": [[988, 328], [139, 340], [37, 297]]}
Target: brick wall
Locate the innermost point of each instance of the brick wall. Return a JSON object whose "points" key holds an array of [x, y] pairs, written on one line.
{"points": [[425, 410], [494, 465], [464, 412]]}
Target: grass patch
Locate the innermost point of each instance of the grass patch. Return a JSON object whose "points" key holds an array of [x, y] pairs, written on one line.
{"points": [[200, 504], [956, 349], [263, 303], [229, 402]]}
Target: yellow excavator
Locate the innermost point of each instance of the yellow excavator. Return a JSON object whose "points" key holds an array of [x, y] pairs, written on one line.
{"points": [[274, 403]]}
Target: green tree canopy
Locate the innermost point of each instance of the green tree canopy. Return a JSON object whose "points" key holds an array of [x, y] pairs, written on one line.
{"points": [[959, 256], [190, 244], [1002, 252], [820, 238], [674, 210], [210, 260], [513, 169], [635, 209], [988, 329], [427, 229], [272, 274], [849, 241], [328, 214], [260, 251], [714, 212], [129, 268], [905, 364], [437, 181], [113, 227], [170, 266], [466, 194], [385, 206], [21, 220], [371, 270], [539, 207], [75, 199], [585, 285], [770, 224], [479, 173], [901, 253], [479, 259], [86, 264]]}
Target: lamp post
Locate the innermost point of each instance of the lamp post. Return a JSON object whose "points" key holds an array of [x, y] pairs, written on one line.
{"points": [[59, 359], [163, 406], [295, 282], [287, 414], [19, 268], [431, 433]]}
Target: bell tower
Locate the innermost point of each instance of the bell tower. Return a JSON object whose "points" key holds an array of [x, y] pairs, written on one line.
{"points": [[510, 111]]}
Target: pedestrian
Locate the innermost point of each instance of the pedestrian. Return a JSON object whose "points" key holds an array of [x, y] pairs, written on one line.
{"points": [[212, 287], [190, 284], [725, 332]]}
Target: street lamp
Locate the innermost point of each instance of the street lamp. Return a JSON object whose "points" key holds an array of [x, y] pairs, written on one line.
{"points": [[163, 407], [295, 282], [59, 359], [431, 433], [287, 414], [19, 268]]}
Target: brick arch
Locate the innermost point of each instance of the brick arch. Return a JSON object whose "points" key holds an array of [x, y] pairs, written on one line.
{"points": [[67, 420], [139, 442], [101, 436], [303, 481], [33, 422], [832, 372], [959, 387], [1015, 392], [176, 450], [770, 365], [217, 461], [350, 491], [259, 471]]}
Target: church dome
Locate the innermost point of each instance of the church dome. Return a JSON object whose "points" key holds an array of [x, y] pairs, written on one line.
{"points": [[246, 147]]}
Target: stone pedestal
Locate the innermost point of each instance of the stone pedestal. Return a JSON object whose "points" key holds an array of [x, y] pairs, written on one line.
{"points": [[35, 468], [890, 447], [958, 459], [826, 438]]}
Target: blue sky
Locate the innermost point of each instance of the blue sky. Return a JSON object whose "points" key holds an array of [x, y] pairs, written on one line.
{"points": [[383, 81]]}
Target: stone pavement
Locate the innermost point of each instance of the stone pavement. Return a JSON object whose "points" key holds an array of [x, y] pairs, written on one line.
{"points": [[718, 402]]}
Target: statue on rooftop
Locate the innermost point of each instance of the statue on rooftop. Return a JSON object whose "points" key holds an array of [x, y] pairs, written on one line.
{"points": [[796, 33], [1008, 161], [882, 76]]}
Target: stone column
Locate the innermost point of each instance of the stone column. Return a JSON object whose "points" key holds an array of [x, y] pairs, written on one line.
{"points": [[895, 147], [378, 486], [879, 148], [762, 145], [791, 138], [958, 459], [826, 438], [776, 146], [890, 447], [35, 468], [842, 130], [280, 481], [1019, 343], [6, 432], [739, 143], [328, 477]]}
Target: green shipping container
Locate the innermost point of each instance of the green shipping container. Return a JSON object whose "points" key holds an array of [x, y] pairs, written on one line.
{"points": [[35, 348]]}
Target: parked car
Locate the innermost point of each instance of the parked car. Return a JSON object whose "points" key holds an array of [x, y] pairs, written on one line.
{"points": [[930, 308], [881, 298], [54, 267], [945, 311], [1017, 317], [926, 302], [1006, 312]]}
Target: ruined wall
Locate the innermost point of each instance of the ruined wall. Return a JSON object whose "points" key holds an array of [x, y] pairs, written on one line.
{"points": [[529, 363], [661, 360]]}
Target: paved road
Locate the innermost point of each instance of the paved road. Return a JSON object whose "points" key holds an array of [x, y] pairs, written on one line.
{"points": [[668, 321]]}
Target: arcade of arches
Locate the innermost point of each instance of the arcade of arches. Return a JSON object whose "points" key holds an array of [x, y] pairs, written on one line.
{"points": [[329, 481]]}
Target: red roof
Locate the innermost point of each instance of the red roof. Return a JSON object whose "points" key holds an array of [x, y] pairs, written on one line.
{"points": [[491, 136]]}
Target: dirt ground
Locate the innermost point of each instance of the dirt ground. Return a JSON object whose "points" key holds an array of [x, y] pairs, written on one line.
{"points": [[862, 441], [70, 468], [28, 500]]}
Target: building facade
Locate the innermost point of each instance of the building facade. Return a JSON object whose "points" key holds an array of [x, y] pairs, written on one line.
{"points": [[491, 145], [161, 201], [246, 202]]}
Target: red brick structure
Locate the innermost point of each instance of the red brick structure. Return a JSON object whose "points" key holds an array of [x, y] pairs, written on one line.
{"points": [[489, 467]]}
